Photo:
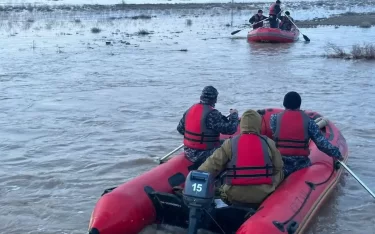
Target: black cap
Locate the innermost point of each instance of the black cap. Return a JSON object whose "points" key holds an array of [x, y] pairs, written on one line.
{"points": [[287, 13], [278, 1], [209, 93], [292, 100], [260, 11]]}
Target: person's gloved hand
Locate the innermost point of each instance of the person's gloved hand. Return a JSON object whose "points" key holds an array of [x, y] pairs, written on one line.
{"points": [[178, 190], [261, 112], [340, 157], [231, 111]]}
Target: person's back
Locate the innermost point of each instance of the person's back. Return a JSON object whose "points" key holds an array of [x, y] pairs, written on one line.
{"points": [[202, 124], [292, 130], [247, 150], [197, 135], [292, 133], [274, 14], [286, 22]]}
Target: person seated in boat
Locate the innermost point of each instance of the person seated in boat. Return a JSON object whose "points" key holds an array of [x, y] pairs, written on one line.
{"points": [[286, 22], [249, 149], [275, 14], [292, 130], [202, 124], [257, 20]]}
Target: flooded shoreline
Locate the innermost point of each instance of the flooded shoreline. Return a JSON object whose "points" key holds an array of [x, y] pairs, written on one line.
{"points": [[305, 5], [306, 14], [364, 20]]}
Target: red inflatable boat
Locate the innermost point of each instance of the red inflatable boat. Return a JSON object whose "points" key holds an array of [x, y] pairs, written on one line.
{"points": [[273, 35], [132, 206]]}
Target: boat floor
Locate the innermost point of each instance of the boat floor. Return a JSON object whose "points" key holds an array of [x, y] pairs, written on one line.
{"points": [[220, 218]]}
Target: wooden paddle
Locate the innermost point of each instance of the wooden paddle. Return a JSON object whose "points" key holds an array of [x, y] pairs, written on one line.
{"points": [[237, 31], [357, 179], [304, 36], [321, 122]]}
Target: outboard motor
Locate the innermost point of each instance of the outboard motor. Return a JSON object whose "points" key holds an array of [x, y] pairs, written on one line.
{"points": [[198, 195]]}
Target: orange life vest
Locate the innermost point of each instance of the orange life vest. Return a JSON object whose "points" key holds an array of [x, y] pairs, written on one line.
{"points": [[197, 135], [251, 163], [292, 133]]}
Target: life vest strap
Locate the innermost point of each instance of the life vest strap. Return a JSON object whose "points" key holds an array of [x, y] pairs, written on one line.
{"points": [[202, 134], [201, 140], [234, 170], [304, 143], [249, 168], [293, 141], [250, 176], [292, 147], [204, 138]]}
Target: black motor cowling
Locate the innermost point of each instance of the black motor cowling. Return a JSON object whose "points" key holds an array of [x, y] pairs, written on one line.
{"points": [[199, 191], [198, 195]]}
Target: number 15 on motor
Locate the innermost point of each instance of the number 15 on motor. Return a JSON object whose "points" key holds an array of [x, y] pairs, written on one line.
{"points": [[197, 187]]}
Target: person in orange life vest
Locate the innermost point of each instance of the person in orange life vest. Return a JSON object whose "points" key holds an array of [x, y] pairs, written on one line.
{"points": [[286, 23], [292, 130], [257, 18], [274, 14], [202, 124], [249, 149]]}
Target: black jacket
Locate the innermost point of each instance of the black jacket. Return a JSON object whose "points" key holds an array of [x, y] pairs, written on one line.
{"points": [[256, 18]]}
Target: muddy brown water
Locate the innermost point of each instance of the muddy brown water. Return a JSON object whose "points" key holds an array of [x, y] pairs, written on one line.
{"points": [[78, 116]]}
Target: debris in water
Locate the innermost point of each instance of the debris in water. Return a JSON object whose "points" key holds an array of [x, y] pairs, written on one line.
{"points": [[96, 30], [141, 17], [367, 51], [125, 42], [143, 32], [365, 24]]}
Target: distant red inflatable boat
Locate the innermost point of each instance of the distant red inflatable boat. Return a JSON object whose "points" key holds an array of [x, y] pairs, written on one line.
{"points": [[149, 198], [273, 35]]}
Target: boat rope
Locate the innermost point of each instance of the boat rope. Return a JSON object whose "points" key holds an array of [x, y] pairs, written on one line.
{"points": [[208, 213], [312, 186]]}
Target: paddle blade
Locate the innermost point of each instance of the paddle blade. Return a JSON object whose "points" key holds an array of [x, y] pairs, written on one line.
{"points": [[234, 32], [306, 38]]}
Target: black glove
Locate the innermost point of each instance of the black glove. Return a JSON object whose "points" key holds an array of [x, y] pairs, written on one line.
{"points": [[261, 112], [339, 157]]}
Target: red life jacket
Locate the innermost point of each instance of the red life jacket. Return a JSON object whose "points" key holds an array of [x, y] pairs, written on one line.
{"points": [[272, 9], [251, 163], [197, 135], [292, 133]]}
